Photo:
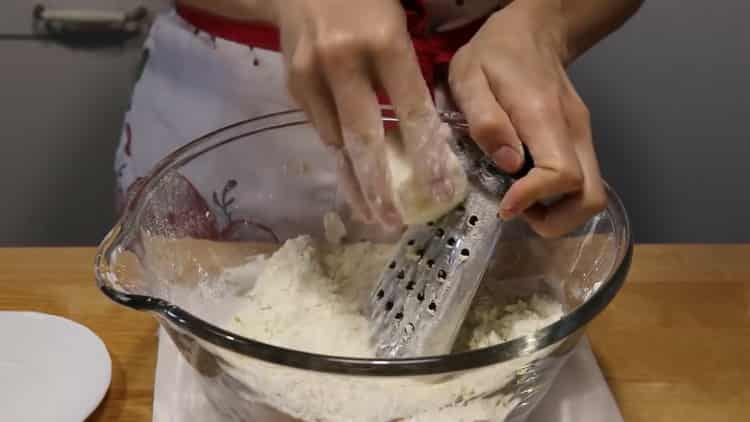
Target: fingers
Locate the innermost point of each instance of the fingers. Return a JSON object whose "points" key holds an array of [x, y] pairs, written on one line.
{"points": [[514, 91], [331, 52], [426, 145], [348, 182], [574, 210], [541, 124], [308, 87], [489, 124], [363, 134]]}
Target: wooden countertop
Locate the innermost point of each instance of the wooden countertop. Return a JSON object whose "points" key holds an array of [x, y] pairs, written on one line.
{"points": [[674, 345]]}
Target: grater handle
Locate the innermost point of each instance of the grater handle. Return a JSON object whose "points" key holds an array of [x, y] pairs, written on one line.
{"points": [[457, 120], [528, 164]]}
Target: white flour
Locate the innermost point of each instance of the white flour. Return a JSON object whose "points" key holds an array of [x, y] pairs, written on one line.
{"points": [[310, 297]]}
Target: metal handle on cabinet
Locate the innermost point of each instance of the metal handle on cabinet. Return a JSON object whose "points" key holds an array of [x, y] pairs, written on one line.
{"points": [[82, 20], [81, 28]]}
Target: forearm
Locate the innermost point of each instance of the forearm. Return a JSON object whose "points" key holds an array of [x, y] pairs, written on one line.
{"points": [[580, 24], [248, 10]]}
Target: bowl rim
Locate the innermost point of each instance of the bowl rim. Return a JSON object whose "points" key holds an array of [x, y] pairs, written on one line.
{"points": [[186, 322]]}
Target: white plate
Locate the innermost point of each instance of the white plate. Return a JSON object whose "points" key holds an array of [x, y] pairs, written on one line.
{"points": [[51, 369]]}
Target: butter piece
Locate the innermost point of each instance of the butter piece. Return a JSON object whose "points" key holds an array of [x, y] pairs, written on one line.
{"points": [[413, 202]]}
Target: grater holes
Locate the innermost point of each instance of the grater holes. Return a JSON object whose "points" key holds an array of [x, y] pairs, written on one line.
{"points": [[411, 242], [439, 232], [420, 253], [432, 306], [392, 265], [442, 274], [401, 274], [473, 220], [410, 285], [381, 294], [430, 263], [399, 316], [420, 297], [465, 253], [451, 242], [389, 305]]}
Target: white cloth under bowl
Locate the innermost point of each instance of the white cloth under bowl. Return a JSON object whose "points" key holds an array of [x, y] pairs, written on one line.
{"points": [[580, 393]]}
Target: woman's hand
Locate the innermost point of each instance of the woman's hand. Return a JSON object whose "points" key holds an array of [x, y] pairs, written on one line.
{"points": [[338, 52], [511, 84]]}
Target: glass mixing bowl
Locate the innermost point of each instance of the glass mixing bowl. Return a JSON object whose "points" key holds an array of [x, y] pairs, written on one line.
{"points": [[181, 228]]}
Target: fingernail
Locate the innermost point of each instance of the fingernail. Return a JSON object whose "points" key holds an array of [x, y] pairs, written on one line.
{"points": [[508, 159], [507, 212]]}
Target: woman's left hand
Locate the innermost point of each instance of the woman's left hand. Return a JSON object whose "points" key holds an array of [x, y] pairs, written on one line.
{"points": [[511, 84]]}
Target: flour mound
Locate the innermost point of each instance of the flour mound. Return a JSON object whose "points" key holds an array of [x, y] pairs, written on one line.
{"points": [[311, 296]]}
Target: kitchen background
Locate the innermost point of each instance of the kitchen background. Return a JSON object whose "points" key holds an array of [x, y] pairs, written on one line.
{"points": [[669, 94]]}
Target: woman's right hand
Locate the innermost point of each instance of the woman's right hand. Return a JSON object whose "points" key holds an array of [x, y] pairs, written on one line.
{"points": [[338, 52]]}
